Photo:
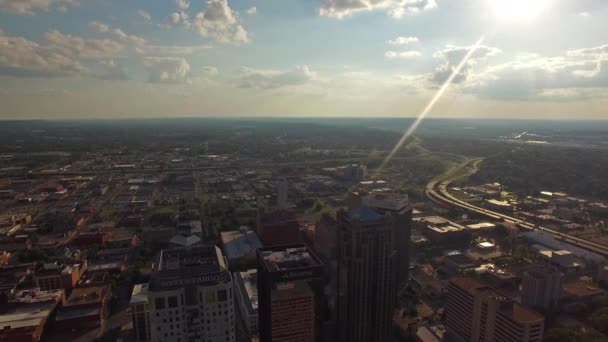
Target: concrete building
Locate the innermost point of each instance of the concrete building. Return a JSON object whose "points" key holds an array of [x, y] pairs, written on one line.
{"points": [[240, 247], [288, 278], [246, 284], [541, 288], [85, 308], [191, 296], [367, 274], [140, 312], [476, 312], [439, 229], [27, 315], [52, 276]]}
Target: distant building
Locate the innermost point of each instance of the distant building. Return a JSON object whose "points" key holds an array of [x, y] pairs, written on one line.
{"points": [[184, 240], [240, 247], [439, 229], [456, 263], [475, 312], [282, 194], [502, 206], [191, 296], [83, 239], [140, 312], [287, 293], [246, 284], [541, 288], [277, 227], [155, 235]]}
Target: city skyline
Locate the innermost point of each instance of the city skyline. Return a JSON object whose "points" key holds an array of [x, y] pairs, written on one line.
{"points": [[235, 58]]}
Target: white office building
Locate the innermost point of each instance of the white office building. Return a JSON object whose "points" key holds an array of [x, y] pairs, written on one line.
{"points": [[191, 296]]}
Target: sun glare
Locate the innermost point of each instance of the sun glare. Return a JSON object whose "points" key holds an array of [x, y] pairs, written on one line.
{"points": [[517, 9]]}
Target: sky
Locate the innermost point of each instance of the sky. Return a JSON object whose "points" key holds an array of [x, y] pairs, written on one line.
{"points": [[541, 59]]}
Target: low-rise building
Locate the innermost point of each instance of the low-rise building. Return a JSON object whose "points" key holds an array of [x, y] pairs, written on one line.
{"points": [[27, 314], [85, 308], [52, 276], [440, 229]]}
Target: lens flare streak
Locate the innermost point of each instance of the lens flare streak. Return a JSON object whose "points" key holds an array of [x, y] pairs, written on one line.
{"points": [[431, 104]]}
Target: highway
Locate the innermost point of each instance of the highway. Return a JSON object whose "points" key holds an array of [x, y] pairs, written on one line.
{"points": [[437, 191]]}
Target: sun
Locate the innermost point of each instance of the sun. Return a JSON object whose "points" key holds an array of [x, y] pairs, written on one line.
{"points": [[518, 9]]}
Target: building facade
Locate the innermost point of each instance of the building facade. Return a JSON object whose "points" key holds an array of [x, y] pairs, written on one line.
{"points": [[541, 288], [476, 312], [190, 296], [288, 281], [246, 284], [140, 312], [367, 274]]}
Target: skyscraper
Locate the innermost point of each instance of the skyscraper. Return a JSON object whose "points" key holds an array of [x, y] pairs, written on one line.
{"points": [[476, 312], [399, 207], [541, 288], [190, 296], [367, 274], [287, 293]]}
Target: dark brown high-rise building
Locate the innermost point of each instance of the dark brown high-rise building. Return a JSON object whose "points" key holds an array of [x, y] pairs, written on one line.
{"points": [[288, 279], [368, 242], [277, 227]]}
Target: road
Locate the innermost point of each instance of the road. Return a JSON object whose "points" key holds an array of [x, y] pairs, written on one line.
{"points": [[437, 191]]}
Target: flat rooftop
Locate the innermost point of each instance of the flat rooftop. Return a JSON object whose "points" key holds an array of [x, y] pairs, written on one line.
{"points": [[139, 294], [390, 202], [196, 265], [508, 306], [249, 281], [288, 258]]}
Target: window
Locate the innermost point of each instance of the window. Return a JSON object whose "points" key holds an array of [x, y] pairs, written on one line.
{"points": [[210, 298], [222, 295], [173, 301], [159, 303]]}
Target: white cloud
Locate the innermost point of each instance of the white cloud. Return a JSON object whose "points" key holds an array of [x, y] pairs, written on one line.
{"points": [[171, 50], [220, 23], [29, 7], [109, 70], [403, 40], [77, 47], [118, 34], [253, 10], [145, 15], [210, 71], [167, 70], [395, 8], [62, 55], [575, 75], [271, 79], [402, 54], [175, 18], [182, 4], [452, 55]]}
